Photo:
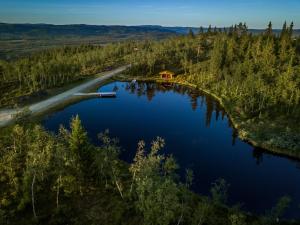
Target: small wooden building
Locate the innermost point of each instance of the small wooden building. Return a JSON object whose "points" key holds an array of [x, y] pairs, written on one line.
{"points": [[167, 75]]}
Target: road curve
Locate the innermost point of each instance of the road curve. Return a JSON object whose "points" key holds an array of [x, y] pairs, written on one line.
{"points": [[7, 116]]}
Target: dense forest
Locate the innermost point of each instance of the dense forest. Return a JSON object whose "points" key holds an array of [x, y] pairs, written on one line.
{"points": [[64, 179], [54, 68], [257, 77], [256, 72], [11, 31]]}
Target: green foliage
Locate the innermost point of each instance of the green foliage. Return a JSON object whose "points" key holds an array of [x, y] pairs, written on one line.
{"points": [[43, 179], [256, 74], [277, 212], [78, 139], [237, 219], [33, 75], [191, 33], [157, 195], [256, 77], [64, 179], [219, 191], [202, 213]]}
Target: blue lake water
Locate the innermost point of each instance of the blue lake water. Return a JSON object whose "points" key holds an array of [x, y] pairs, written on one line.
{"points": [[197, 132]]}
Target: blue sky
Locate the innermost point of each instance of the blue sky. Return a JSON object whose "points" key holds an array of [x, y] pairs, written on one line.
{"points": [[256, 13]]}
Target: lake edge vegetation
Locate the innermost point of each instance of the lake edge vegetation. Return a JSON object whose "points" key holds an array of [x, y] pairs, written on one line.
{"points": [[36, 75], [62, 178], [255, 77], [243, 72]]}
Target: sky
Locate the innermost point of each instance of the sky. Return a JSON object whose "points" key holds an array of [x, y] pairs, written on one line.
{"points": [[256, 13]]}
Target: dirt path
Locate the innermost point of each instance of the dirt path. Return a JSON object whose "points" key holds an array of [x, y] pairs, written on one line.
{"points": [[7, 116]]}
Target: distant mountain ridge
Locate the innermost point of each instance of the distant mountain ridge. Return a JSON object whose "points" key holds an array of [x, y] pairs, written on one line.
{"points": [[17, 40], [40, 31]]}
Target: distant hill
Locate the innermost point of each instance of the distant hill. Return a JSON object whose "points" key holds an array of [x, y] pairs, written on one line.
{"points": [[46, 31], [17, 40]]}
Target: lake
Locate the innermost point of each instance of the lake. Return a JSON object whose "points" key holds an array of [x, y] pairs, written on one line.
{"points": [[198, 134]]}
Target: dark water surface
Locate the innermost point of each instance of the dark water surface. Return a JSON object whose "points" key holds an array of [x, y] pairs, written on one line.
{"points": [[197, 132]]}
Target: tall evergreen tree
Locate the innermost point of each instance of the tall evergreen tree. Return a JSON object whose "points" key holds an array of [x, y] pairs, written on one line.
{"points": [[191, 33], [284, 30], [201, 31], [215, 30], [209, 30], [269, 31], [291, 29]]}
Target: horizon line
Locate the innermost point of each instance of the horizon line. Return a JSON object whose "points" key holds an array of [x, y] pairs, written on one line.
{"points": [[138, 25]]}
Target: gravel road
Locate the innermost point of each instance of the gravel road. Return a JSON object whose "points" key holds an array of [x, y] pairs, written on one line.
{"points": [[7, 116]]}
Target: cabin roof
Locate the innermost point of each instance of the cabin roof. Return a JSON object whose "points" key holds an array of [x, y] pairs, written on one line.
{"points": [[166, 72]]}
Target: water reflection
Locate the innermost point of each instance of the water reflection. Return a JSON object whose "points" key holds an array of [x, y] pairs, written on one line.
{"points": [[234, 136], [258, 155], [199, 100], [197, 132], [149, 89]]}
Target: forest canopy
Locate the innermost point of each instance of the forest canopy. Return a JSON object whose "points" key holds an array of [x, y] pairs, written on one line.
{"points": [[64, 179], [256, 77]]}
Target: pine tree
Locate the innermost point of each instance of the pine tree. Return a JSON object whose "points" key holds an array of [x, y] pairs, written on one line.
{"points": [[78, 136], [217, 58], [290, 30], [284, 31], [191, 33], [201, 31], [79, 143], [269, 31], [215, 30], [230, 31], [209, 30]]}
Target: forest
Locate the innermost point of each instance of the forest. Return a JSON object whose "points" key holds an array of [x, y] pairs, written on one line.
{"points": [[62, 178], [257, 77], [257, 73], [52, 68]]}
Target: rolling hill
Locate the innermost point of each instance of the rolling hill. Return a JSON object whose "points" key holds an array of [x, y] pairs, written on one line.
{"points": [[17, 40]]}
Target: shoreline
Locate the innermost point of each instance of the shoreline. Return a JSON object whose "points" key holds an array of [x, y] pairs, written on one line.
{"points": [[8, 116], [237, 123]]}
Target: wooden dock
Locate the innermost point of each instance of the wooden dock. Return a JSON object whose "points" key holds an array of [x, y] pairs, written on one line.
{"points": [[98, 94]]}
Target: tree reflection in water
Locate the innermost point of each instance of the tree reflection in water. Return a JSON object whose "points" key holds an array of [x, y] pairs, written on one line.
{"points": [[198, 99]]}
